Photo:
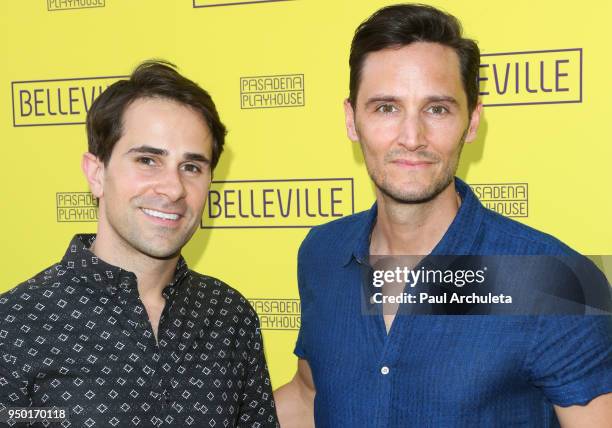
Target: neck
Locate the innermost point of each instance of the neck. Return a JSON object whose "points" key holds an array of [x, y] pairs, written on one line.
{"points": [[152, 274], [412, 228]]}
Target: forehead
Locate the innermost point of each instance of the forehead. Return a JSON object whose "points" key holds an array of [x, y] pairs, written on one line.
{"points": [[420, 68], [165, 124]]}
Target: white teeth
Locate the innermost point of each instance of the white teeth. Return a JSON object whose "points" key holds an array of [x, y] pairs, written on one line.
{"points": [[161, 215]]}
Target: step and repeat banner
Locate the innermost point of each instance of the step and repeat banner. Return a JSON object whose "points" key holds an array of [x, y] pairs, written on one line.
{"points": [[278, 72]]}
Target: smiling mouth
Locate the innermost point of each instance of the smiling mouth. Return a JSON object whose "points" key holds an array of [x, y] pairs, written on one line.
{"points": [[159, 214]]}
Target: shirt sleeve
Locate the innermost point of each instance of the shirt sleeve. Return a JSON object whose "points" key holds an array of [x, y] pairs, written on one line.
{"points": [[257, 409], [300, 346], [571, 358]]}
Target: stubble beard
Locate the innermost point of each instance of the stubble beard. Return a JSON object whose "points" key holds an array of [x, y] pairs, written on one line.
{"points": [[152, 242], [420, 195]]}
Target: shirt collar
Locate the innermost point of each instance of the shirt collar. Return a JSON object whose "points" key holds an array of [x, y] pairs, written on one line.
{"points": [[459, 239], [93, 269]]}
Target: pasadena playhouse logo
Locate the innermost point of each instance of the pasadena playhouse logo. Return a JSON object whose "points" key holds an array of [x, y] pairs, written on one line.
{"points": [[508, 199], [76, 207], [56, 101], [277, 314], [73, 4], [283, 90], [531, 77], [211, 3], [285, 203]]}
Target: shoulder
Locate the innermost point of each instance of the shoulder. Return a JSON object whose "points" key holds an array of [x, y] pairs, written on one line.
{"points": [[222, 299], [342, 225], [30, 292], [26, 308], [335, 236], [505, 235]]}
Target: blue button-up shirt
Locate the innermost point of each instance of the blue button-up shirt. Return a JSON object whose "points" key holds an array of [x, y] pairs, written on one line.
{"points": [[440, 371]]}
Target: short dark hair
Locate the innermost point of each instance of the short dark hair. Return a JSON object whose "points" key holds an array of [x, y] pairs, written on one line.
{"points": [[400, 25], [151, 79]]}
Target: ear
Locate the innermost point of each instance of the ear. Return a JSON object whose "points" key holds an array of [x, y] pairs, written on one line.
{"points": [[474, 123], [349, 117], [93, 168]]}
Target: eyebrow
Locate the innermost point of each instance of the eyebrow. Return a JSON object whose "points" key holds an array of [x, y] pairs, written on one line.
{"points": [[197, 157], [381, 98], [392, 99], [442, 98]]}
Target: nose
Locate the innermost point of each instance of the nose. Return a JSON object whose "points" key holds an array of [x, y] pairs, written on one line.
{"points": [[170, 184], [410, 133]]}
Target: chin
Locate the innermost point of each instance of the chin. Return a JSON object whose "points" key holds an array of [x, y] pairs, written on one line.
{"points": [[412, 192], [162, 253], [158, 248]]}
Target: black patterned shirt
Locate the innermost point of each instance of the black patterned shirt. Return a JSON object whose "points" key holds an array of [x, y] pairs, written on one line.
{"points": [[77, 336]]}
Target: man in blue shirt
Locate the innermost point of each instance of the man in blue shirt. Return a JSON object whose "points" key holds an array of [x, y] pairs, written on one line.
{"points": [[413, 103]]}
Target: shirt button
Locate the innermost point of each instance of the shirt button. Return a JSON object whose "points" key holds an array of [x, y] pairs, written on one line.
{"points": [[384, 370]]}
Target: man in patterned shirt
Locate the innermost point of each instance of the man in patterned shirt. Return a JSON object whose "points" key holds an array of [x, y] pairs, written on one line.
{"points": [[121, 332]]}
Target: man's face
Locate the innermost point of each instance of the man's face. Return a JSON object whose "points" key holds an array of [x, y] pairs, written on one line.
{"points": [[411, 119], [157, 178]]}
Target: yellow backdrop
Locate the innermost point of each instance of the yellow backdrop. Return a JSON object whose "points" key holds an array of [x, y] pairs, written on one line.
{"points": [[278, 73]]}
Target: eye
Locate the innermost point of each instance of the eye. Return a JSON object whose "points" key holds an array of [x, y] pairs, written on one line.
{"points": [[438, 110], [193, 168], [386, 108], [145, 160]]}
